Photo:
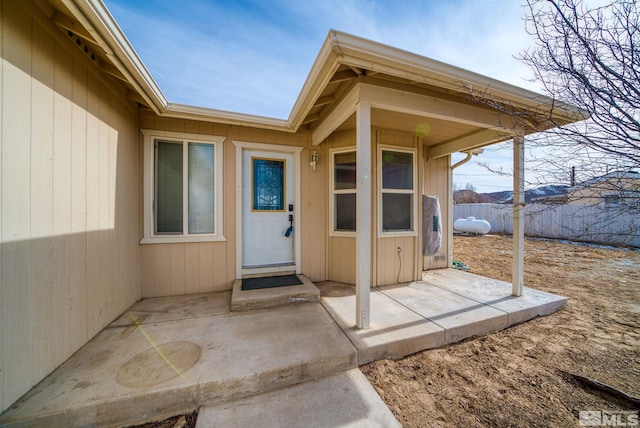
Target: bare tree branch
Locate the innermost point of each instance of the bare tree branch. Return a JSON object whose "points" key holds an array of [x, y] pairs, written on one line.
{"points": [[589, 58]]}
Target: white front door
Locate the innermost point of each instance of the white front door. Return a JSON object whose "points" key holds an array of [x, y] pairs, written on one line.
{"points": [[268, 208]]}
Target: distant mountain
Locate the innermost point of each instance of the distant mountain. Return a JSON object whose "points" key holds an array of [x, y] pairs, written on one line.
{"points": [[551, 193], [466, 196]]}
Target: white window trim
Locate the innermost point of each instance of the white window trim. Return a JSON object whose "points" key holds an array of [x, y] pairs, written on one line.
{"points": [[149, 236], [333, 192], [414, 192]]}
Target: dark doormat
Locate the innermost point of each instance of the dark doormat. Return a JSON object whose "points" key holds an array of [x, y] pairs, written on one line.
{"points": [[270, 282]]}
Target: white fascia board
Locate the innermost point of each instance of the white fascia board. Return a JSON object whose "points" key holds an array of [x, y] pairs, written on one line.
{"points": [[181, 111], [321, 72], [374, 56], [95, 17]]}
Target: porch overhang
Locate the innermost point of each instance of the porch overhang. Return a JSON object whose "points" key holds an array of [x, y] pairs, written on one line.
{"points": [[355, 83], [491, 126]]}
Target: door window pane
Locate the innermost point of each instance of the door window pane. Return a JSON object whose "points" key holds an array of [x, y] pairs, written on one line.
{"points": [[169, 188], [397, 170], [396, 211], [201, 188], [346, 212], [268, 184], [345, 170]]}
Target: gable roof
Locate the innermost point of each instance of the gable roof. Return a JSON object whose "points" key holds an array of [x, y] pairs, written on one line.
{"points": [[343, 61]]}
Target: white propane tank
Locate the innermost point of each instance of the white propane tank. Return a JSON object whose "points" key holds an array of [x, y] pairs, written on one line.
{"points": [[471, 225]]}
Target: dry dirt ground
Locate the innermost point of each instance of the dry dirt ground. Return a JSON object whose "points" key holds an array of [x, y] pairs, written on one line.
{"points": [[522, 376]]}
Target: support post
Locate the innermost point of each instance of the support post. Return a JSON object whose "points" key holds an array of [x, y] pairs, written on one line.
{"points": [[363, 214], [517, 274]]}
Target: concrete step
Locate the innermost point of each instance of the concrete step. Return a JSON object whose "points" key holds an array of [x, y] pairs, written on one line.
{"points": [[249, 300], [346, 399], [159, 363]]}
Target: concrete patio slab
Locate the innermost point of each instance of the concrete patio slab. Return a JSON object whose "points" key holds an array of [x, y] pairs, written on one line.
{"points": [[395, 331], [130, 373], [497, 294], [449, 306], [249, 300], [172, 355], [459, 316], [343, 400]]}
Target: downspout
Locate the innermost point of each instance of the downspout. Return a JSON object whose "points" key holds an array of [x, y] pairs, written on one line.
{"points": [[469, 154]]}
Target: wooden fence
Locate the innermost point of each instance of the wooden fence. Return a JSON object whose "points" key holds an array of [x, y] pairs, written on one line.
{"points": [[585, 223]]}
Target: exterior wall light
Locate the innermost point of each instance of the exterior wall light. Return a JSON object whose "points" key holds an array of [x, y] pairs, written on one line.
{"points": [[313, 160]]}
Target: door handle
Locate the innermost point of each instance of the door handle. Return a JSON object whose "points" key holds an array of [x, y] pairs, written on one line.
{"points": [[290, 229]]}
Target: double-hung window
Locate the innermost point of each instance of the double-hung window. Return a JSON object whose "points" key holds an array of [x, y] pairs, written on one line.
{"points": [[397, 178], [343, 192], [182, 187]]}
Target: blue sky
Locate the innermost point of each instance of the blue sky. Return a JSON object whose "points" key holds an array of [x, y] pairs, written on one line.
{"points": [[253, 56]]}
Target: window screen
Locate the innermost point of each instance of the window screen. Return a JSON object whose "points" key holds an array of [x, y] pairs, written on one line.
{"points": [[201, 188], [344, 191], [397, 191], [169, 210]]}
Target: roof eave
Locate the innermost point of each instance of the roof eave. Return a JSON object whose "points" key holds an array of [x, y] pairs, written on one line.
{"points": [[323, 68], [181, 111], [96, 18], [338, 48], [358, 52]]}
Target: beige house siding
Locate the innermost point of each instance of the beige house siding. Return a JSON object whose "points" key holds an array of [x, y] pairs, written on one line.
{"points": [[69, 202], [437, 182], [342, 259], [393, 266], [390, 266], [586, 196], [594, 194], [313, 210], [183, 268], [341, 250]]}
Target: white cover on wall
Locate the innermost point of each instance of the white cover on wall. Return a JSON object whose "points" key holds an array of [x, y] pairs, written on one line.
{"points": [[431, 225]]}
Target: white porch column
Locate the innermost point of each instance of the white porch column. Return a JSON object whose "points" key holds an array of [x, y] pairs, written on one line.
{"points": [[363, 213], [517, 274]]}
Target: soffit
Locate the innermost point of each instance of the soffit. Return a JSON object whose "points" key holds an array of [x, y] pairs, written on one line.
{"points": [[74, 26], [433, 131]]}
